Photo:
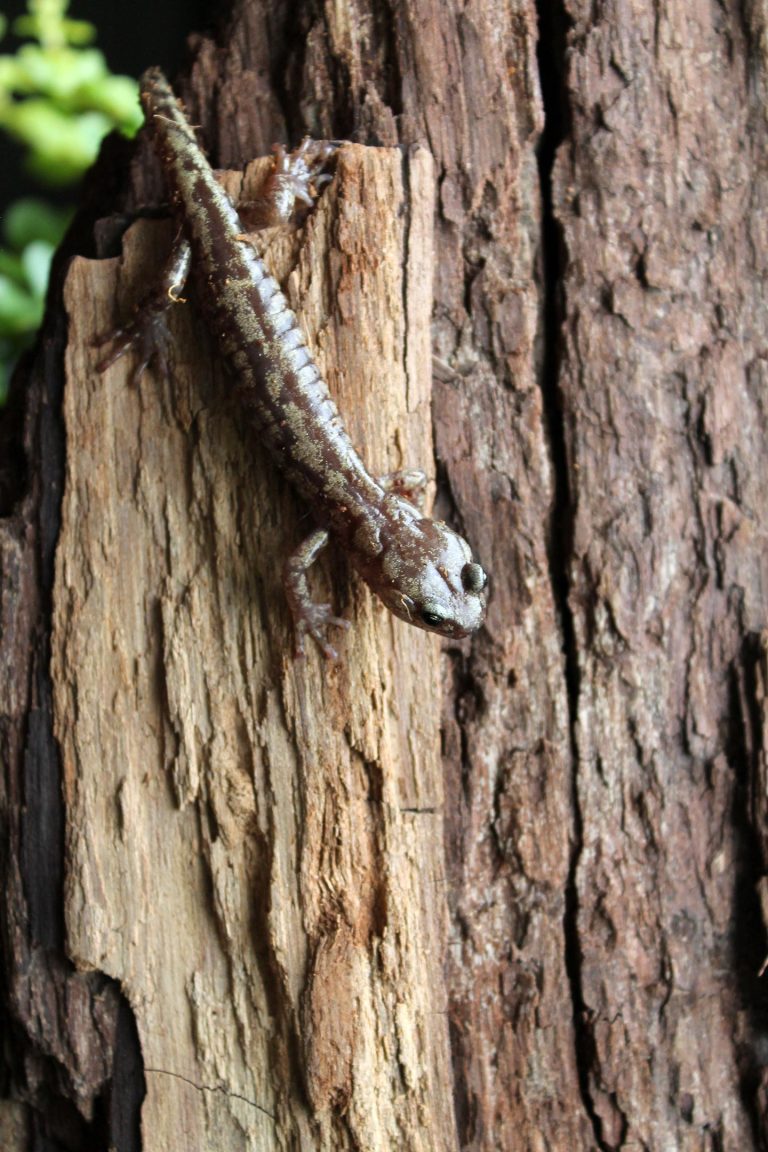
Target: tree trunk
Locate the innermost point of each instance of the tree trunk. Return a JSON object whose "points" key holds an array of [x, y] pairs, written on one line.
{"points": [[503, 894]]}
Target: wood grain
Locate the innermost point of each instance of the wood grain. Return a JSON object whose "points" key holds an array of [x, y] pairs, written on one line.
{"points": [[253, 844]]}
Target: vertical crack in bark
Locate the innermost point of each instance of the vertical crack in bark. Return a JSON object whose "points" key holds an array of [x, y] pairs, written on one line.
{"points": [[288, 51], [128, 1085], [13, 461], [553, 28]]}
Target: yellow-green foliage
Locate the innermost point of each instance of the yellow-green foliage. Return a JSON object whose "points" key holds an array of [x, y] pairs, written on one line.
{"points": [[58, 99]]}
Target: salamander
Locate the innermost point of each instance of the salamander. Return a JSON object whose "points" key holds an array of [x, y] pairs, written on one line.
{"points": [[423, 571]]}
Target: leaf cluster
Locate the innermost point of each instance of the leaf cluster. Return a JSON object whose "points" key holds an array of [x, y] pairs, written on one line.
{"points": [[58, 99], [57, 95]]}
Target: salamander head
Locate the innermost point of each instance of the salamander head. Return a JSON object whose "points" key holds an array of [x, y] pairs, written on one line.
{"points": [[426, 575]]}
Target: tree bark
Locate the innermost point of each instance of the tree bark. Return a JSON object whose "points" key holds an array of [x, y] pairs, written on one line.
{"points": [[506, 894]]}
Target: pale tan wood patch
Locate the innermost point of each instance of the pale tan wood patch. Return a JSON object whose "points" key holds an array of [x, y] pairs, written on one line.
{"points": [[251, 840]]}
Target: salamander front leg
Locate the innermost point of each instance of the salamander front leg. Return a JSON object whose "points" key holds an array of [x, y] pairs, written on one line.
{"points": [[308, 616], [410, 483], [295, 179], [147, 332]]}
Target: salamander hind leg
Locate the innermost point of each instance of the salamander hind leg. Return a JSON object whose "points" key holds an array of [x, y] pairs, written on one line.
{"points": [[146, 333], [308, 616]]}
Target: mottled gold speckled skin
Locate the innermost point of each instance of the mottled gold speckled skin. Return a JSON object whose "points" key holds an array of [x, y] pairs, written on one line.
{"points": [[422, 570]]}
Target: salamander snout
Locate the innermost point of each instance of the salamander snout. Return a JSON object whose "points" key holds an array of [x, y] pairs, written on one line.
{"points": [[432, 581]]}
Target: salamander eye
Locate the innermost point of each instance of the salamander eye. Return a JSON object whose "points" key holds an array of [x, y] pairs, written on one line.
{"points": [[473, 578], [432, 618]]}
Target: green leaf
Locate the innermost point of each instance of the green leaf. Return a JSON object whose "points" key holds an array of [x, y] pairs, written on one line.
{"points": [[62, 146], [45, 21], [58, 73], [79, 32], [59, 98], [30, 219], [118, 98], [20, 312], [36, 261], [11, 75], [11, 266]]}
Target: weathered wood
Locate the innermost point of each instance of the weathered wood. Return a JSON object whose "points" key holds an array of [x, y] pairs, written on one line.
{"points": [[59, 1025], [253, 844], [464, 80], [661, 194], [14, 1126]]}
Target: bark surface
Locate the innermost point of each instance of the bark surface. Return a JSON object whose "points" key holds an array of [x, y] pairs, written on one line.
{"points": [[505, 895]]}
